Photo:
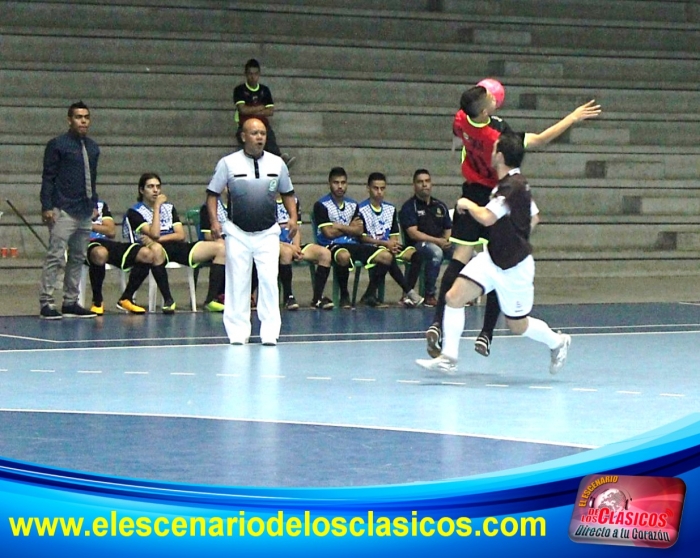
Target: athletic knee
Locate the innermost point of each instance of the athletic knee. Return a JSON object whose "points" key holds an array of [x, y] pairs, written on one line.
{"points": [[517, 326], [98, 256]]}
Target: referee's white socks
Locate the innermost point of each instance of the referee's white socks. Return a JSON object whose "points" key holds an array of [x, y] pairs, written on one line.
{"points": [[452, 328], [540, 331]]}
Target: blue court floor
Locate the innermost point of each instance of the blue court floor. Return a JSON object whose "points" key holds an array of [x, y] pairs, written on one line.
{"points": [[339, 402]]}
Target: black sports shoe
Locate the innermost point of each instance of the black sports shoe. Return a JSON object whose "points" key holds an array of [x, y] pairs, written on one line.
{"points": [[49, 312], [434, 338], [76, 311], [291, 303], [324, 303], [345, 302], [169, 306], [482, 345]]}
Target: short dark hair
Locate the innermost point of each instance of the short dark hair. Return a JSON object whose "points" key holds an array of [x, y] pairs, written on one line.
{"points": [[337, 171], [513, 149], [74, 106], [419, 171], [473, 100], [142, 183], [376, 176], [252, 63]]}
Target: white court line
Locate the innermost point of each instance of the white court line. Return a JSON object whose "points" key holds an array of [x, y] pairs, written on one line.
{"points": [[274, 376], [364, 380], [629, 392], [318, 377], [230, 375], [135, 372], [329, 341], [671, 395], [89, 371], [584, 389], [307, 423], [4, 370], [408, 381], [453, 383], [540, 387], [182, 374], [40, 370], [498, 385]]}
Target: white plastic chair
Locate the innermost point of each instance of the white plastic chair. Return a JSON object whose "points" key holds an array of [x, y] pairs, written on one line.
{"points": [[153, 287]]}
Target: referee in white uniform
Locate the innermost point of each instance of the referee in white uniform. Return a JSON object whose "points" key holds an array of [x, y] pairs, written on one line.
{"points": [[254, 177]]}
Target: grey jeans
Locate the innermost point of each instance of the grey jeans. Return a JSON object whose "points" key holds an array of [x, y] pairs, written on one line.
{"points": [[68, 242]]}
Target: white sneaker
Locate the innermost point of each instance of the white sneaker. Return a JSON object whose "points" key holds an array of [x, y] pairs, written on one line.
{"points": [[559, 354], [415, 298], [443, 364]]}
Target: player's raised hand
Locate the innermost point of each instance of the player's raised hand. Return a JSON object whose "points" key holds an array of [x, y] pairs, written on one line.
{"points": [[586, 111]]}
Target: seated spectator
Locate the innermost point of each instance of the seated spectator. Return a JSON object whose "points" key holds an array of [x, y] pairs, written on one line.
{"points": [[339, 227], [426, 223], [102, 249], [292, 250], [381, 228], [168, 232], [254, 100]]}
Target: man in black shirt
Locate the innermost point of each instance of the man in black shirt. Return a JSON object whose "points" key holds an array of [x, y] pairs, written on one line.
{"points": [[426, 223], [254, 100], [506, 265], [68, 204]]}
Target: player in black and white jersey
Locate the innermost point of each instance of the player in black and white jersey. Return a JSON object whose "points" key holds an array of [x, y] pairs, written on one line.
{"points": [[103, 249], [154, 220], [254, 178], [339, 227], [292, 250], [506, 265], [381, 228]]}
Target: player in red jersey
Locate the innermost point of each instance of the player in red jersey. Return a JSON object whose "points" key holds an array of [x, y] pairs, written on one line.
{"points": [[479, 129]]}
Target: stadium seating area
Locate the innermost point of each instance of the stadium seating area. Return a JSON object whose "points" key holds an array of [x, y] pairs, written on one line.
{"points": [[373, 86]]}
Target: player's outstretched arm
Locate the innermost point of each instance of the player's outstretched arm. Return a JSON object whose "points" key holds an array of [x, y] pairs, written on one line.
{"points": [[584, 112]]}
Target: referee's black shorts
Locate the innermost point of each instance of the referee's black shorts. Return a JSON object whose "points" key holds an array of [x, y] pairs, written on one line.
{"points": [[467, 231], [363, 253], [119, 254]]}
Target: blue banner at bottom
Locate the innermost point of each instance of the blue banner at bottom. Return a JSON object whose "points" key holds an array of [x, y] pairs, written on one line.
{"points": [[637, 493]]}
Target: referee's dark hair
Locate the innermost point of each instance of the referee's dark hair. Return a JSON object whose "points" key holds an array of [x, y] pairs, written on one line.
{"points": [[513, 149], [375, 176], [337, 171], [473, 100], [142, 183]]}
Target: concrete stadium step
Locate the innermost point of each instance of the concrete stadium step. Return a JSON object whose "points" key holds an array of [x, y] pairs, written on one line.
{"points": [[578, 265], [144, 90], [633, 11], [616, 236], [186, 54], [373, 25], [558, 161]]}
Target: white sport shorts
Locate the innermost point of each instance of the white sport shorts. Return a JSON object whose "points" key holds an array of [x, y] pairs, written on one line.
{"points": [[515, 286]]}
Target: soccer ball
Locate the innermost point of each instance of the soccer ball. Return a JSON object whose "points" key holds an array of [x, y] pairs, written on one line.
{"points": [[496, 89]]}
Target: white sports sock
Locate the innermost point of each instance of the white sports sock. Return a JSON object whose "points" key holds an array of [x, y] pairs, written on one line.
{"points": [[540, 331], [452, 328]]}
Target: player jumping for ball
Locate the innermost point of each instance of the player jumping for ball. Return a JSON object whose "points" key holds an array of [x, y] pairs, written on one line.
{"points": [[505, 266], [478, 129]]}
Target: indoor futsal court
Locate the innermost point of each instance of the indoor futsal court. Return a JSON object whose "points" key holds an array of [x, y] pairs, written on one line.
{"points": [[340, 401]]}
